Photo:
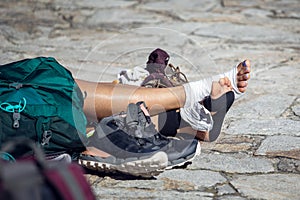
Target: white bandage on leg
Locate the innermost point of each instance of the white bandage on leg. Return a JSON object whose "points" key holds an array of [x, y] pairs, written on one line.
{"points": [[196, 91], [197, 116]]}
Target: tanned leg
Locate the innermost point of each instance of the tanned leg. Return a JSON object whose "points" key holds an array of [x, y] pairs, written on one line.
{"points": [[105, 99]]}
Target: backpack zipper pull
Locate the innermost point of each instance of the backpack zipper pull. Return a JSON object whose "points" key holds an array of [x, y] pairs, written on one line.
{"points": [[16, 118]]}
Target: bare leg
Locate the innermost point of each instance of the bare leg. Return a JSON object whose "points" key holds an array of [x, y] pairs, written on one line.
{"points": [[105, 99]]}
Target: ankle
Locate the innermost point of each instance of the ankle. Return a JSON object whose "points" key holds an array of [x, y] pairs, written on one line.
{"points": [[202, 136]]}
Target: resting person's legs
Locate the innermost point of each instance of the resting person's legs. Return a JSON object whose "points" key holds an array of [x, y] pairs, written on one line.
{"points": [[104, 99]]}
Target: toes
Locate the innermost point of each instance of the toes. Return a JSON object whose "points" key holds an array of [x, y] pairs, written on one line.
{"points": [[228, 82], [243, 89], [222, 81], [243, 77], [242, 86], [225, 84], [244, 67]]}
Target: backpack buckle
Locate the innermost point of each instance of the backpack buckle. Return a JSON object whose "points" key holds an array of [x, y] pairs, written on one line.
{"points": [[16, 118], [46, 137], [16, 85]]}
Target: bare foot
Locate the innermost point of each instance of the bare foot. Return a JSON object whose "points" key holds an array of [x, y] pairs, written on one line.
{"points": [[243, 75], [221, 87]]}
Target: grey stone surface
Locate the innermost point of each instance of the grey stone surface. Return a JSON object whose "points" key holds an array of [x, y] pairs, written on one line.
{"points": [[289, 165], [225, 190], [199, 178], [235, 163], [271, 186], [262, 107], [231, 197], [108, 193], [287, 146], [228, 31], [264, 127], [296, 110], [260, 135]]}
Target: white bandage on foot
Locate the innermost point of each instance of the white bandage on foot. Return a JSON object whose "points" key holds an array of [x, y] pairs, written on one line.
{"points": [[196, 91], [231, 75], [192, 111]]}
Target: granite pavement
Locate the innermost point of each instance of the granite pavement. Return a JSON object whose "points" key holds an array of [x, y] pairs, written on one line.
{"points": [[257, 155]]}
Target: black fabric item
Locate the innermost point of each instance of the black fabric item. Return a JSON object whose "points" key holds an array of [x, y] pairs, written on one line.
{"points": [[213, 105], [220, 106], [169, 122]]}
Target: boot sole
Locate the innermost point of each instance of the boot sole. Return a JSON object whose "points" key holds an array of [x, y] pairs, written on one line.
{"points": [[144, 167]]}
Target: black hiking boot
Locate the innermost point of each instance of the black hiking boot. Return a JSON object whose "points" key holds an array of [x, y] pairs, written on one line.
{"points": [[134, 135]]}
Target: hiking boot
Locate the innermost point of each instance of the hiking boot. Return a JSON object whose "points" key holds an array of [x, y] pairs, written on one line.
{"points": [[144, 166], [134, 135], [180, 152]]}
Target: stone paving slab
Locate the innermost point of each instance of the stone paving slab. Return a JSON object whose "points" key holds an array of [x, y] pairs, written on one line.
{"points": [[268, 106], [257, 154], [286, 146], [271, 186], [264, 127], [232, 163], [199, 178]]}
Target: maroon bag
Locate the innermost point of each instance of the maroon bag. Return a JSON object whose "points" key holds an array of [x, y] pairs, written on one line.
{"points": [[162, 74], [38, 179]]}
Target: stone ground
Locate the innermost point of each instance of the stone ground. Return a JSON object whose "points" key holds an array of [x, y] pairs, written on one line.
{"points": [[257, 155]]}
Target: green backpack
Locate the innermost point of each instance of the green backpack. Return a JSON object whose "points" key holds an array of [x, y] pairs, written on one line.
{"points": [[40, 100]]}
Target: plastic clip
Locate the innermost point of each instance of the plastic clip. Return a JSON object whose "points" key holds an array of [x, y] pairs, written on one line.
{"points": [[16, 118], [46, 137]]}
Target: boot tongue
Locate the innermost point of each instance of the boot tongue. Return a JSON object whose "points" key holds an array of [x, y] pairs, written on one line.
{"points": [[139, 125], [138, 121]]}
